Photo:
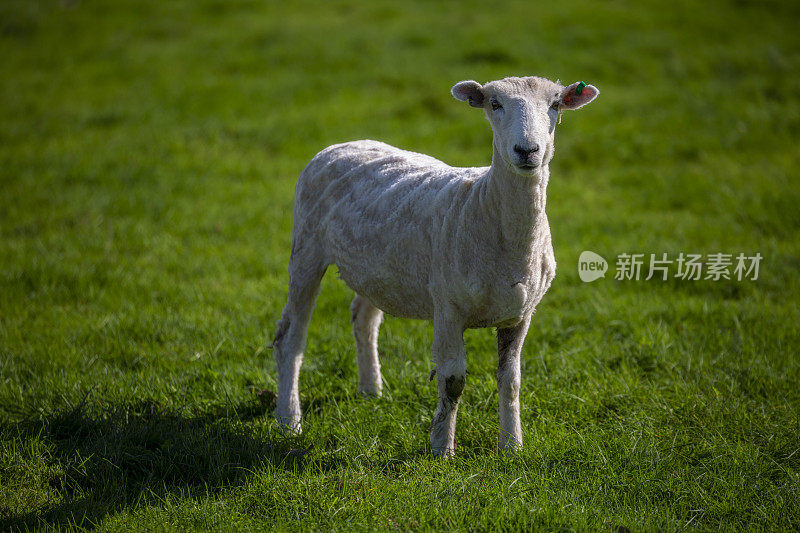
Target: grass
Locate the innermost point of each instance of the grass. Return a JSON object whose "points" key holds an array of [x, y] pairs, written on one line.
{"points": [[148, 153]]}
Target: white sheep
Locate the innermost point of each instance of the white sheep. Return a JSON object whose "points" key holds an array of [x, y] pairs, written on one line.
{"points": [[416, 238]]}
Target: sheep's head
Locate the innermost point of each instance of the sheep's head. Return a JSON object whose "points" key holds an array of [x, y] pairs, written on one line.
{"points": [[523, 113]]}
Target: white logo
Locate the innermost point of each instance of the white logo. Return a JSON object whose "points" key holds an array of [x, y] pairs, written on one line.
{"points": [[591, 266], [690, 266]]}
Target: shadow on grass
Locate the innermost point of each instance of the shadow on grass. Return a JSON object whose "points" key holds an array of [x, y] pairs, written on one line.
{"points": [[116, 457]]}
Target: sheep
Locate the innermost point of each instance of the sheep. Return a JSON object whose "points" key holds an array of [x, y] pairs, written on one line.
{"points": [[417, 238]]}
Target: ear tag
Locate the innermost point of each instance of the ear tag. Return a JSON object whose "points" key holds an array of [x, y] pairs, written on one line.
{"points": [[579, 88], [560, 112]]}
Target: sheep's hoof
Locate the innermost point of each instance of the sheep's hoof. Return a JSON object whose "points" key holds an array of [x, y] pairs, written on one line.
{"points": [[289, 425], [442, 450], [371, 391], [444, 453], [509, 444], [510, 448]]}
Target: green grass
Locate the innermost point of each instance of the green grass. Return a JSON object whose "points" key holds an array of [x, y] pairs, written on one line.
{"points": [[148, 153]]}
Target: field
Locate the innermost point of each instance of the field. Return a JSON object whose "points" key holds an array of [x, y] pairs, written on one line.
{"points": [[148, 154]]}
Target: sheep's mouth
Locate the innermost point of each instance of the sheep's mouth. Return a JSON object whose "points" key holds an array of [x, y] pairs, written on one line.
{"points": [[525, 168]]}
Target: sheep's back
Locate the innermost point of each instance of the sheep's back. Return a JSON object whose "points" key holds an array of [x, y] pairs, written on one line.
{"points": [[374, 209]]}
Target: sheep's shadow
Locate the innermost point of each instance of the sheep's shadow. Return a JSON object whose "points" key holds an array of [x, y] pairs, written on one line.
{"points": [[114, 457]]}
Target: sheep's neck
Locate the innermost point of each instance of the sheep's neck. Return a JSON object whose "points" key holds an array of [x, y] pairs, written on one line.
{"points": [[515, 202]]}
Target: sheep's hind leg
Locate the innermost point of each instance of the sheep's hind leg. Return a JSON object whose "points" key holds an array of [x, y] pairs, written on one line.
{"points": [[509, 349], [366, 320], [305, 274], [451, 372]]}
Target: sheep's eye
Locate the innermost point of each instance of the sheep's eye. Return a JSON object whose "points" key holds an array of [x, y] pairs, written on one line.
{"points": [[555, 105], [496, 105]]}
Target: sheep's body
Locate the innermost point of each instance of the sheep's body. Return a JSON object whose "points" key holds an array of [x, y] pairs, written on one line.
{"points": [[404, 229], [463, 247]]}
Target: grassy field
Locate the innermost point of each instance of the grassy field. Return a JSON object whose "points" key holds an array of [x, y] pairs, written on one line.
{"points": [[148, 154]]}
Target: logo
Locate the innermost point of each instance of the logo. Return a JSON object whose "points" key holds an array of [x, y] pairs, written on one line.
{"points": [[591, 266], [688, 266]]}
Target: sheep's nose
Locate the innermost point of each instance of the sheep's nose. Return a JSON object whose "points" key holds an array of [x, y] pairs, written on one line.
{"points": [[525, 153]]}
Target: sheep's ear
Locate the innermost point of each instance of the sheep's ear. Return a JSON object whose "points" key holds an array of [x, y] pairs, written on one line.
{"points": [[578, 95], [468, 91]]}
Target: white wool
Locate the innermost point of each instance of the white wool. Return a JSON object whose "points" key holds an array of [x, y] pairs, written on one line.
{"points": [[417, 238]]}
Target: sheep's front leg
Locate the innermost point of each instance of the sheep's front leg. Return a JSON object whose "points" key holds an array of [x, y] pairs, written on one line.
{"points": [[509, 348], [366, 321], [451, 371]]}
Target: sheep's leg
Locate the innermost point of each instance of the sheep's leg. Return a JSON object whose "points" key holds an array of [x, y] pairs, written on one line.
{"points": [[451, 371], [305, 275], [366, 321], [509, 348]]}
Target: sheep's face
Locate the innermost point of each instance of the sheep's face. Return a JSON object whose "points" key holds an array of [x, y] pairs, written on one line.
{"points": [[523, 113]]}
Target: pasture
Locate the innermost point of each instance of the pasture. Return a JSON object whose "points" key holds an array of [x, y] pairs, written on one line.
{"points": [[148, 154]]}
